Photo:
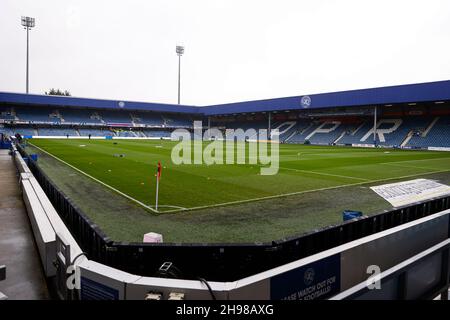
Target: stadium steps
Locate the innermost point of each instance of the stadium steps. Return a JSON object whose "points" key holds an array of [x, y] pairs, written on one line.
{"points": [[165, 120], [290, 136], [299, 128], [56, 115], [299, 137], [358, 128], [134, 119], [307, 128], [274, 124], [437, 137], [289, 125], [314, 133], [340, 137], [408, 137], [355, 136], [8, 114], [428, 129]]}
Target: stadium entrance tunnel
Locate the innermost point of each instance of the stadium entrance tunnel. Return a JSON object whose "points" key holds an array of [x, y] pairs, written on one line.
{"points": [[218, 262]]}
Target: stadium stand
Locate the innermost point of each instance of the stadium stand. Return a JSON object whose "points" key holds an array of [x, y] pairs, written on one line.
{"points": [[23, 131], [415, 132], [95, 132], [126, 134], [6, 131], [156, 133], [150, 119], [83, 122], [333, 118], [437, 136], [390, 131], [227, 127], [7, 113], [412, 131], [116, 117], [80, 116], [57, 132], [284, 129], [396, 132], [328, 132], [296, 130], [176, 121], [303, 132], [37, 115]]}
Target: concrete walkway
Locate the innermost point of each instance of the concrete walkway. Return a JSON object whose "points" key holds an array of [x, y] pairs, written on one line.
{"points": [[24, 276]]}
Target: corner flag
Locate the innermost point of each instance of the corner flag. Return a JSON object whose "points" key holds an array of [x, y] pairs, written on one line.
{"points": [[158, 176], [158, 171]]}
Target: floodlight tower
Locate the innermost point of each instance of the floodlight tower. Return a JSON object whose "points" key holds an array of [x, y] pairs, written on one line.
{"points": [[27, 23], [180, 51]]}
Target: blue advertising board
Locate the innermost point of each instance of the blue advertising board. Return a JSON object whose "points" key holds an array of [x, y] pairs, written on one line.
{"points": [[92, 290], [317, 280]]}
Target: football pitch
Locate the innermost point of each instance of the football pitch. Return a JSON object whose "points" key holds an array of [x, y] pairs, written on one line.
{"points": [[127, 168]]}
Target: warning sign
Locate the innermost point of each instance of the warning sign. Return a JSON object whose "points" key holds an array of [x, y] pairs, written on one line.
{"points": [[407, 192]]}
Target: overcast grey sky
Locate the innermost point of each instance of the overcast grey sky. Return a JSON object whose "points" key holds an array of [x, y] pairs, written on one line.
{"points": [[235, 50]]}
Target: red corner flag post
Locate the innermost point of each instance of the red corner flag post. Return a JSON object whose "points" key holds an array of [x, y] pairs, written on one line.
{"points": [[158, 176]]}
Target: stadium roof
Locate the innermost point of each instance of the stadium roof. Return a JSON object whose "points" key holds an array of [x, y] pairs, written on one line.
{"points": [[64, 101], [410, 93]]}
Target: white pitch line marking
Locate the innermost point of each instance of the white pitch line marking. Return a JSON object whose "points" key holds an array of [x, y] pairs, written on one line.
{"points": [[412, 167], [260, 198], [305, 191], [169, 206], [95, 179], [325, 174]]}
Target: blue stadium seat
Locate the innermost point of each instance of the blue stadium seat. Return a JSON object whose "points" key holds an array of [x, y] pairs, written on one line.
{"points": [[95, 132], [57, 132], [394, 138], [438, 136], [402, 131], [157, 133]]}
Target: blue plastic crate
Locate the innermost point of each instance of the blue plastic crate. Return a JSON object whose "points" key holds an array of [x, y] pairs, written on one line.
{"points": [[351, 214]]}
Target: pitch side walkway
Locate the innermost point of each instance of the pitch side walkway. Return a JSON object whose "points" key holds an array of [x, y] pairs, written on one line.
{"points": [[24, 276]]}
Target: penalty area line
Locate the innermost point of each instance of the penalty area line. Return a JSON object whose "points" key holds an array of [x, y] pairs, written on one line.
{"points": [[325, 174], [95, 179]]}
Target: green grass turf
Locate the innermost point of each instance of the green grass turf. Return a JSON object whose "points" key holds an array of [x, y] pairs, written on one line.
{"points": [[302, 169]]}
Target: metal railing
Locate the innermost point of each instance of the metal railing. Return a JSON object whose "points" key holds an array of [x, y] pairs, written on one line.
{"points": [[423, 276]]}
